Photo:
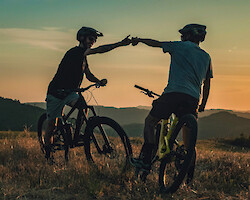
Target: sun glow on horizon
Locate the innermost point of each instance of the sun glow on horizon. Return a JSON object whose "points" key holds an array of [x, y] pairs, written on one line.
{"points": [[32, 45]]}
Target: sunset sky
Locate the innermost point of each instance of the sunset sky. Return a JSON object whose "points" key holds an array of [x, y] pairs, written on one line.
{"points": [[35, 34]]}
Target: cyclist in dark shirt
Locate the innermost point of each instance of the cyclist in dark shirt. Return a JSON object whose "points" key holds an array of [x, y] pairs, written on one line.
{"points": [[69, 76]]}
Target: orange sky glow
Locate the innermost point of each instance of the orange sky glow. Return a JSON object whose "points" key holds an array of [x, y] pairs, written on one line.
{"points": [[32, 47]]}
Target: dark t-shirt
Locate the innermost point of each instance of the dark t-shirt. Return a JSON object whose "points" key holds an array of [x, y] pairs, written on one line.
{"points": [[70, 72]]}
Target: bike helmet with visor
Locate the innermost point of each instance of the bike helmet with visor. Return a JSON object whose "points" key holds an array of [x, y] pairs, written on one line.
{"points": [[87, 31], [196, 30]]}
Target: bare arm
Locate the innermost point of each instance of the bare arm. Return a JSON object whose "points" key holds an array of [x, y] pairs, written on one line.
{"points": [[149, 42], [105, 48], [91, 77], [206, 89]]}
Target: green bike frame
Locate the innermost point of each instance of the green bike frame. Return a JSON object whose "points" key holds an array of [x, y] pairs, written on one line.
{"points": [[167, 128]]}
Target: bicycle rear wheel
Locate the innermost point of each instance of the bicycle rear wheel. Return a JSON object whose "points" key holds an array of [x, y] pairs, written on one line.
{"points": [[59, 140], [174, 168], [107, 145]]}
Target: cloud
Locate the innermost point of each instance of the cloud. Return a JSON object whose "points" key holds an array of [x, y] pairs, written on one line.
{"points": [[48, 37]]}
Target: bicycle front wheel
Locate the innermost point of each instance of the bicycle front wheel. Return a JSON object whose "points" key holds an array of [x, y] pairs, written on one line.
{"points": [[174, 168], [107, 145]]}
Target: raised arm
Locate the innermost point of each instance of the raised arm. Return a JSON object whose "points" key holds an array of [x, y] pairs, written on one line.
{"points": [[149, 42], [105, 48]]}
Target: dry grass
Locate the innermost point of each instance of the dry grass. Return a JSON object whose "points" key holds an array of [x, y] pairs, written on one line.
{"points": [[222, 172]]}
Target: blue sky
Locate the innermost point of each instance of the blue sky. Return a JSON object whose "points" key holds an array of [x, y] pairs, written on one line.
{"points": [[34, 35]]}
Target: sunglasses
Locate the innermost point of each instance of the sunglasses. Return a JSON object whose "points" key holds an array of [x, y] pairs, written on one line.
{"points": [[92, 38]]}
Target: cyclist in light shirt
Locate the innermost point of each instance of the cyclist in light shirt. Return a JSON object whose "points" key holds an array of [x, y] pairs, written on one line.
{"points": [[190, 68]]}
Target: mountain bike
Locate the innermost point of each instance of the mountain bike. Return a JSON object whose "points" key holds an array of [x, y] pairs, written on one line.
{"points": [[104, 140], [176, 162]]}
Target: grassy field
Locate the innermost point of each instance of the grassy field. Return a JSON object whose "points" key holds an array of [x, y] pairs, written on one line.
{"points": [[222, 172]]}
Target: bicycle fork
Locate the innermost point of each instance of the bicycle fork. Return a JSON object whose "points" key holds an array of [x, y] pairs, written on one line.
{"points": [[106, 148]]}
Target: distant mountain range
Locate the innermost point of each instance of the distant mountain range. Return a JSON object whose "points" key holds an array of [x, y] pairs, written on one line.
{"points": [[137, 114], [16, 116], [211, 111], [123, 116], [212, 123], [223, 124]]}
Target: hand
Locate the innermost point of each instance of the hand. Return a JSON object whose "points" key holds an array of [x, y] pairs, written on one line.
{"points": [[126, 41], [201, 108], [135, 41], [103, 82]]}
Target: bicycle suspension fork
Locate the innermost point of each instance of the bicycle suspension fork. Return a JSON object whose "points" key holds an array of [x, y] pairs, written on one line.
{"points": [[103, 133]]}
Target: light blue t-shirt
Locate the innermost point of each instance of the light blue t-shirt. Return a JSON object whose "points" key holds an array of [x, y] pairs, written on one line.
{"points": [[190, 66]]}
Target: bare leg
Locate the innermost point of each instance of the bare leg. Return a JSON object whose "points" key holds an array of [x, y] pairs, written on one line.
{"points": [[186, 139], [149, 129], [50, 126], [185, 135], [149, 138]]}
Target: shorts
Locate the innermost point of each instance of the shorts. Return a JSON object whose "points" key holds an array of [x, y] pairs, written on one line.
{"points": [[55, 106], [177, 103]]}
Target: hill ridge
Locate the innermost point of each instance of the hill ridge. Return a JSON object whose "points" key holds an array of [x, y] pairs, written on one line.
{"points": [[214, 123], [15, 115]]}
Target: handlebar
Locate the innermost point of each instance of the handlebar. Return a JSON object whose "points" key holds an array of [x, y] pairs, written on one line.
{"points": [[86, 88], [97, 85], [141, 88], [147, 92]]}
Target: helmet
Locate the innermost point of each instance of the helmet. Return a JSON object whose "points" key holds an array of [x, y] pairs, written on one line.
{"points": [[87, 31], [196, 30]]}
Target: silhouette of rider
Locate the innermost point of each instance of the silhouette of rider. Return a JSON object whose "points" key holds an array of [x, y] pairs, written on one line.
{"points": [[69, 76]]}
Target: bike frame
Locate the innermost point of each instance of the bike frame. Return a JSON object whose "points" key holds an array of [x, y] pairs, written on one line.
{"points": [[82, 104], [166, 133], [167, 128]]}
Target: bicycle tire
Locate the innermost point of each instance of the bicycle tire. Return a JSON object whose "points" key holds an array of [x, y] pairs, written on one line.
{"points": [[114, 159], [172, 173], [62, 133]]}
